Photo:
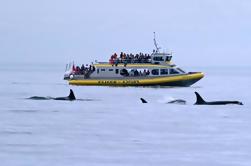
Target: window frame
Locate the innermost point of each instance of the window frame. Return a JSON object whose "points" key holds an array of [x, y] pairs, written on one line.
{"points": [[167, 72], [157, 74], [172, 69]]}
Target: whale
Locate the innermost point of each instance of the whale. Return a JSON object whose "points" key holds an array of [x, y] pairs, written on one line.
{"points": [[70, 97], [143, 100], [176, 101], [201, 101]]}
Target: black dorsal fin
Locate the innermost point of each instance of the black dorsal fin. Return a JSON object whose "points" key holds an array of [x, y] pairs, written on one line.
{"points": [[71, 95], [143, 100], [199, 99]]}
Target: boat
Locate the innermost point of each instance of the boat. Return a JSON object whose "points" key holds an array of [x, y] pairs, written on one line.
{"points": [[155, 69]]}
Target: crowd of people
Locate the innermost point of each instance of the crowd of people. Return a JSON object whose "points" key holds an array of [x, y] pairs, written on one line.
{"points": [[83, 70], [129, 58]]}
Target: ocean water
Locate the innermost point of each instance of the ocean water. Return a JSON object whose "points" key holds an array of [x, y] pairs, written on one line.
{"points": [[114, 128]]}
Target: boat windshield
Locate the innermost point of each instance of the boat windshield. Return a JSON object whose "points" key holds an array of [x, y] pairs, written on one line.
{"points": [[168, 58], [180, 70], [158, 58]]}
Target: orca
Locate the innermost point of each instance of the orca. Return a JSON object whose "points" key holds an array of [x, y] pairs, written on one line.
{"points": [[201, 101], [71, 97], [143, 100], [39, 98], [177, 101]]}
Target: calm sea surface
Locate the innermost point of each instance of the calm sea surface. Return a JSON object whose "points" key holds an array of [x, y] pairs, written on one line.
{"points": [[114, 128]]}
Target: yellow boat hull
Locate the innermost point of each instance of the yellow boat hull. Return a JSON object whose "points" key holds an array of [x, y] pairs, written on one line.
{"points": [[179, 80]]}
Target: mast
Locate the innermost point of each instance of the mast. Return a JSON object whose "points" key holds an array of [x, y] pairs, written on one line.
{"points": [[155, 43]]}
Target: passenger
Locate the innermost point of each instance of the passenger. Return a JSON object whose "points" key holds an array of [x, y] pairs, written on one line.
{"points": [[77, 70], [144, 72], [116, 62], [124, 56], [128, 58], [82, 67], [121, 55], [148, 72], [136, 58], [136, 73], [111, 61], [131, 58], [140, 73], [115, 56], [131, 73], [145, 58]]}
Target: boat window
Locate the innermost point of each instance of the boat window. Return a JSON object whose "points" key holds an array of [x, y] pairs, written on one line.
{"points": [[168, 58], [181, 71], [124, 72], [158, 58], [102, 69], [173, 71], [117, 71], [134, 72], [164, 71], [97, 71], [110, 69], [155, 72]]}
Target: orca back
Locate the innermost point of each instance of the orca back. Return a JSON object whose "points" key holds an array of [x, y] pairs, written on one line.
{"points": [[39, 98], [71, 97], [177, 101], [143, 100], [199, 99]]}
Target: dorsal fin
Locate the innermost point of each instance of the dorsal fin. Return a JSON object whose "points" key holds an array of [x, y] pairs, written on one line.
{"points": [[199, 99], [71, 95], [143, 100]]}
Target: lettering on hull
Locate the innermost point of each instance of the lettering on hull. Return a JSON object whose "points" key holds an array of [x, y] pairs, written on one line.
{"points": [[119, 82]]}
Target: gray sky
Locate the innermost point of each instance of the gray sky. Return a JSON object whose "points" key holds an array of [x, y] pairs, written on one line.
{"points": [[198, 32]]}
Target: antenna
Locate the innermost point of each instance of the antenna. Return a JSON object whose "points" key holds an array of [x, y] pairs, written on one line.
{"points": [[155, 43]]}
